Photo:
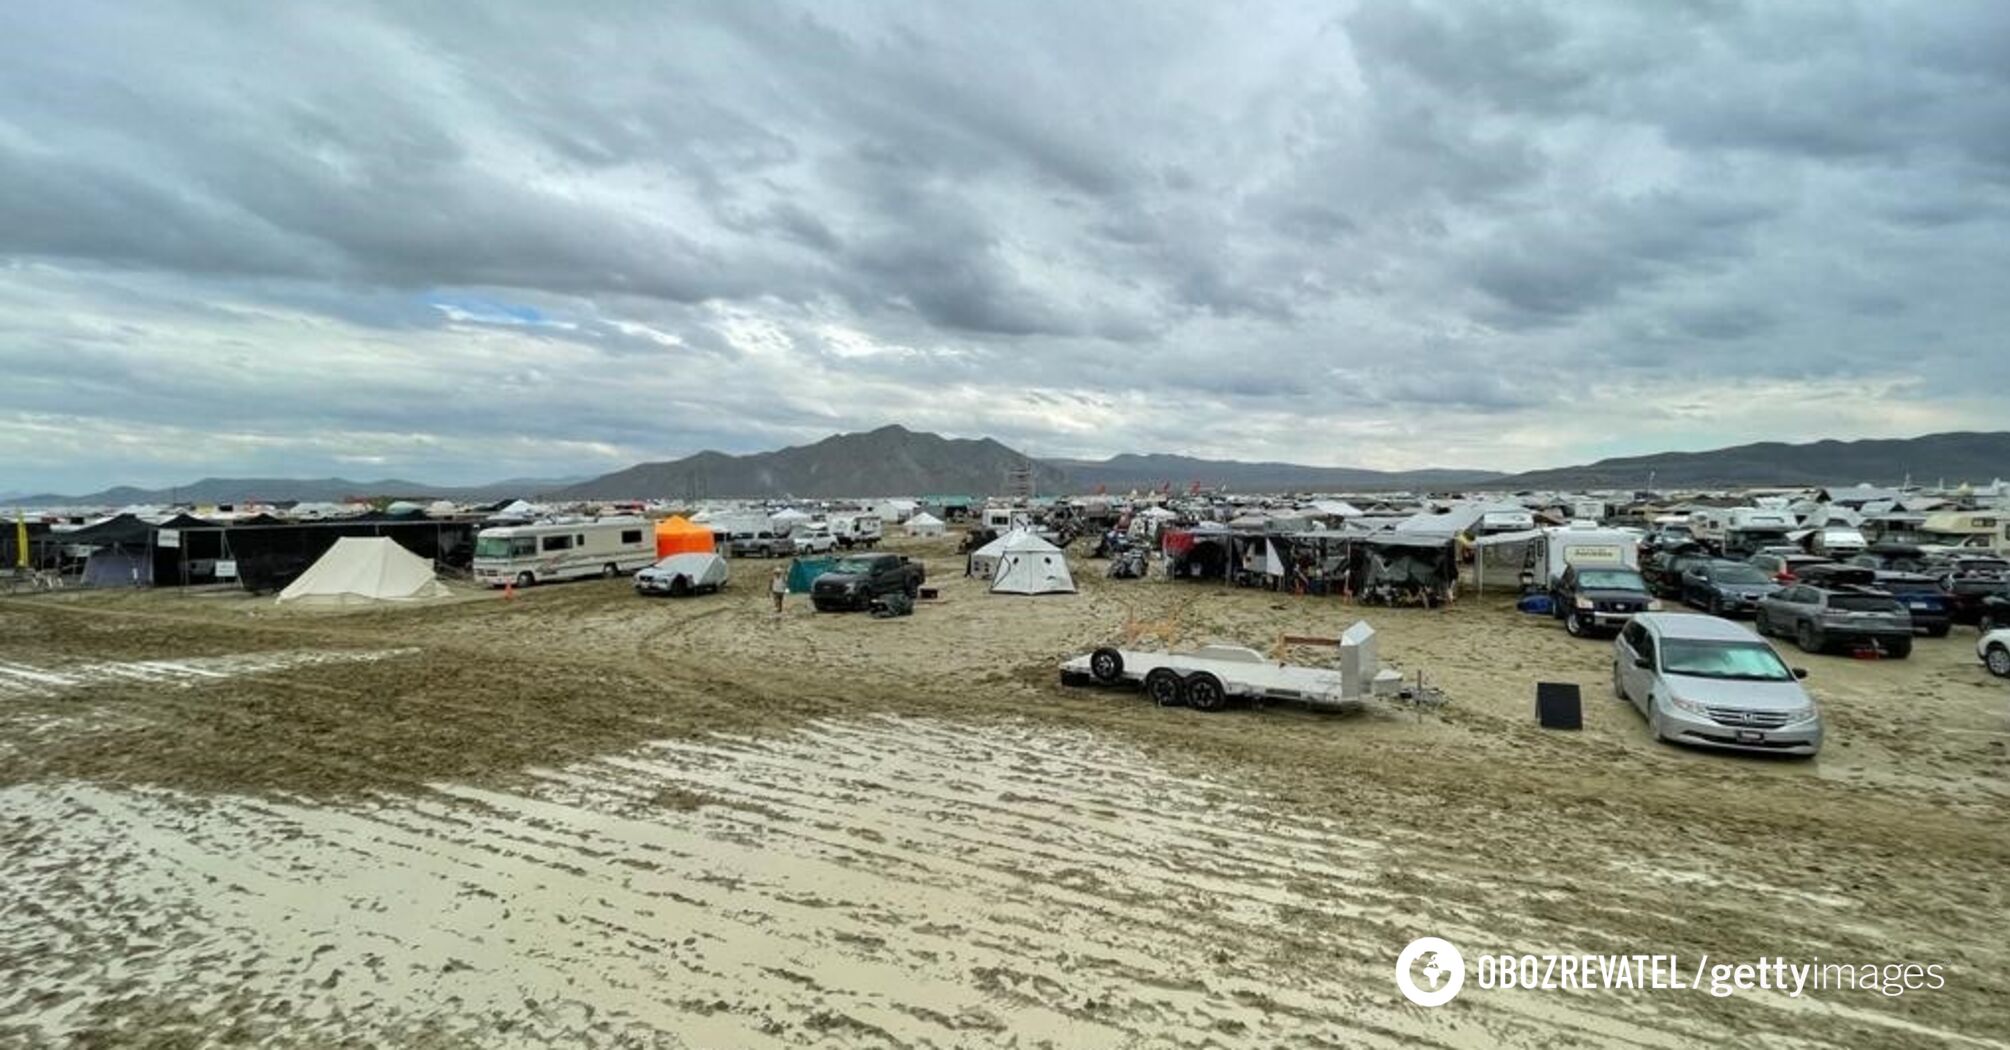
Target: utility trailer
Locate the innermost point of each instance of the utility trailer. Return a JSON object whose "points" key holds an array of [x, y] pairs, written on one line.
{"points": [[1211, 677]]}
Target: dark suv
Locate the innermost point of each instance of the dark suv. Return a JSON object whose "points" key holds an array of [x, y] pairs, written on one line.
{"points": [[1926, 598], [1726, 588], [1663, 572], [1598, 600], [1846, 613]]}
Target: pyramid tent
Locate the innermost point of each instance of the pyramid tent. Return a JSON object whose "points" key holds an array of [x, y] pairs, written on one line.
{"points": [[984, 560], [359, 570], [924, 524], [678, 535], [1028, 564]]}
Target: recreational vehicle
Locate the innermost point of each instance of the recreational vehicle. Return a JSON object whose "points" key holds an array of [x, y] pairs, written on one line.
{"points": [[1739, 531], [1967, 528], [562, 550], [856, 530], [1587, 546], [1499, 521]]}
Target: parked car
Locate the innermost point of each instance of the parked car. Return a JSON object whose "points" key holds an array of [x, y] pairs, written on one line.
{"points": [[1891, 557], [856, 579], [1971, 581], [1726, 588], [813, 539], [1992, 612], [762, 544], [1851, 614], [1663, 572], [1595, 599], [1708, 681], [1782, 567], [1926, 598], [680, 575], [1994, 649]]}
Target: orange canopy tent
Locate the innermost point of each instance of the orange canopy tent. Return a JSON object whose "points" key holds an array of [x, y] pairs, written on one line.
{"points": [[676, 535]]}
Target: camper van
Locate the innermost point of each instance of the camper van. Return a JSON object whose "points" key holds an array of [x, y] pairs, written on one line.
{"points": [[1738, 531], [1967, 528], [1837, 541], [856, 530], [562, 550], [1587, 546]]}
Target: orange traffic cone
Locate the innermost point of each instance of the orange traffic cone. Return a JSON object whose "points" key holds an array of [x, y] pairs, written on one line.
{"points": [[509, 591]]}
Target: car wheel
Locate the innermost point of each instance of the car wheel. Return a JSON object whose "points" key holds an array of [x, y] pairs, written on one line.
{"points": [[1998, 661], [1163, 685], [1809, 639], [1654, 725], [1575, 625], [1899, 650], [680, 587], [1715, 605], [1106, 665], [1618, 683], [1204, 692], [1761, 624]]}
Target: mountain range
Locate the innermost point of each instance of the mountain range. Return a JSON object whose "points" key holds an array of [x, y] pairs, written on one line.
{"points": [[1953, 457], [291, 490], [895, 461]]}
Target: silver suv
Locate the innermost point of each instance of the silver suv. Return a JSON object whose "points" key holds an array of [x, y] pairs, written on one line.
{"points": [[1704, 680], [1818, 617]]}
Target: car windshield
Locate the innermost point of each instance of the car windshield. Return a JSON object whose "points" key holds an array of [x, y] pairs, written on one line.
{"points": [[1736, 573], [1610, 579], [853, 565], [1752, 661]]}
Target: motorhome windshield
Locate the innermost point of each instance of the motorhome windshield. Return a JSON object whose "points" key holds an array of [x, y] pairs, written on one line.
{"points": [[504, 546]]}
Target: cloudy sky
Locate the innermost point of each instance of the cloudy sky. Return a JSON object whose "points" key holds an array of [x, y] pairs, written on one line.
{"points": [[465, 242]]}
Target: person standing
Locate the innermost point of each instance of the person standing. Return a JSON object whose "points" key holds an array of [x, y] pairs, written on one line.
{"points": [[778, 585]]}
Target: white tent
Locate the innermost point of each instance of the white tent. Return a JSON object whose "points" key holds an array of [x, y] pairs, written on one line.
{"points": [[787, 518], [984, 559], [924, 524], [1028, 564], [363, 569]]}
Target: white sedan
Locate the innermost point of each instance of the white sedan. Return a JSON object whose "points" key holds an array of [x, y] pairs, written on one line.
{"points": [[1994, 649]]}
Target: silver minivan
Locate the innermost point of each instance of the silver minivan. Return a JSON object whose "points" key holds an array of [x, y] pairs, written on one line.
{"points": [[1703, 680]]}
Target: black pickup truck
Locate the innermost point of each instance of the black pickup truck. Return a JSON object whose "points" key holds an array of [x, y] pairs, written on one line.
{"points": [[857, 579]]}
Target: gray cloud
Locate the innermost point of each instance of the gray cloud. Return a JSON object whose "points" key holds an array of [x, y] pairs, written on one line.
{"points": [[520, 239]]}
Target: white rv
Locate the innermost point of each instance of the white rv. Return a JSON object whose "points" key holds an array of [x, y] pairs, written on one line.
{"points": [[1968, 528], [562, 550], [1737, 531], [856, 530], [1837, 541], [1497, 521], [1587, 545]]}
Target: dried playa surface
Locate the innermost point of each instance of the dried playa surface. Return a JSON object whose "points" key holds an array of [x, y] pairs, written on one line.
{"points": [[583, 818]]}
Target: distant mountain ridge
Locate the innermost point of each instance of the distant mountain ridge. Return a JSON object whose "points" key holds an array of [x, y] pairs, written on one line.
{"points": [[895, 461], [889, 461], [292, 490], [1132, 471], [1958, 456]]}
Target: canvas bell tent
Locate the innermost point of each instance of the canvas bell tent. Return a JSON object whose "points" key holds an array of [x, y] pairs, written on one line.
{"points": [[360, 570], [1028, 564]]}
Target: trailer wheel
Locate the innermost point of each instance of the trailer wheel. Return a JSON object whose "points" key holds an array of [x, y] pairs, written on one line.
{"points": [[609, 571], [1165, 688], [1204, 692], [1106, 665]]}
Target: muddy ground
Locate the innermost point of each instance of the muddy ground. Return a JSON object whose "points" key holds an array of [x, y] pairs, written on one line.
{"points": [[583, 818]]}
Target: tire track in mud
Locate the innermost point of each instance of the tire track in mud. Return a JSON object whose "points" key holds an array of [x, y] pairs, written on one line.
{"points": [[877, 882]]}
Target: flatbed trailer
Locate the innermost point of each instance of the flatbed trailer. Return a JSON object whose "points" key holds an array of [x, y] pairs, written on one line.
{"points": [[1211, 677]]}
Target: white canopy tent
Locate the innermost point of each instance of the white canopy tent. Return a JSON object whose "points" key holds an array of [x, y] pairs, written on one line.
{"points": [[787, 518], [1028, 564], [924, 524], [359, 570]]}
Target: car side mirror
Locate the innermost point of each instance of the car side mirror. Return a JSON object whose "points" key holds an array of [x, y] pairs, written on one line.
{"points": [[1643, 663], [1800, 672]]}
